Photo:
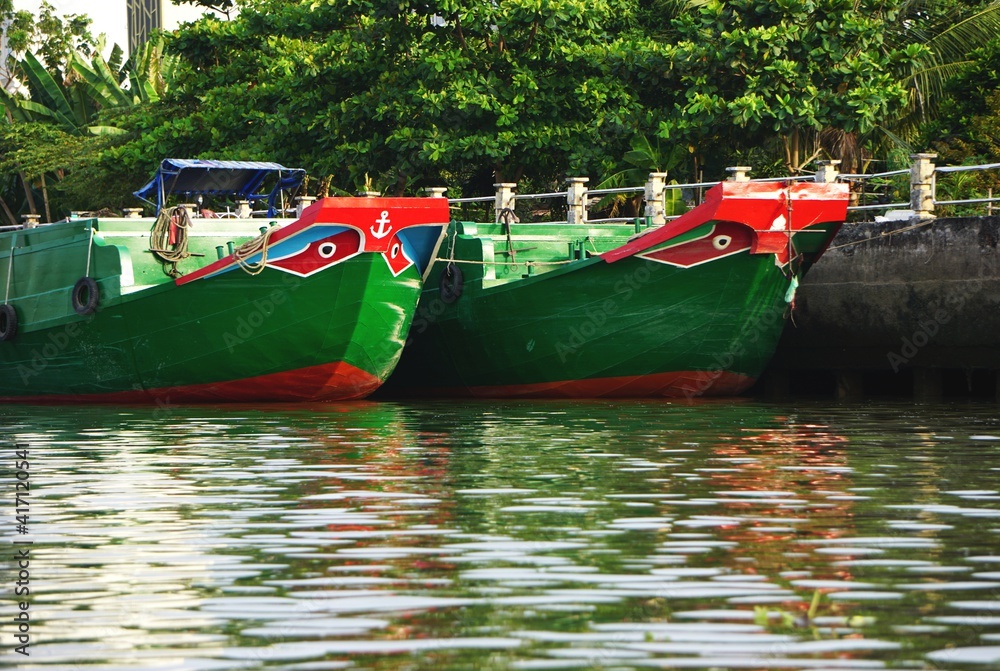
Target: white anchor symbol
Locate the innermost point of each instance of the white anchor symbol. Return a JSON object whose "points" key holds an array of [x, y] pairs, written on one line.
{"points": [[382, 230]]}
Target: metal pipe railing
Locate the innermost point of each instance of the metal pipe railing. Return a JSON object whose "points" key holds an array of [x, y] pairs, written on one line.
{"points": [[923, 190], [880, 206]]}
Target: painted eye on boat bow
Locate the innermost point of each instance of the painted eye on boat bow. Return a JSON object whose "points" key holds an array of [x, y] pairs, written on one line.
{"points": [[396, 256], [317, 254], [724, 238], [720, 242]]}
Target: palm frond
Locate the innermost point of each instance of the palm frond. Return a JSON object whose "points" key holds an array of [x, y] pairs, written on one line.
{"points": [[953, 39]]}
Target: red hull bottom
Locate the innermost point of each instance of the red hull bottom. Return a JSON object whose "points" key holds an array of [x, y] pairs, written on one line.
{"points": [[684, 384], [337, 381]]}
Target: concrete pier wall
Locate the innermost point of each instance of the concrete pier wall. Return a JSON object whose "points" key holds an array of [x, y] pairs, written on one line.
{"points": [[901, 297]]}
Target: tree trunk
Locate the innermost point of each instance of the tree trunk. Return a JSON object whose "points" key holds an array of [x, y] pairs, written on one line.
{"points": [[7, 211], [45, 197], [24, 181], [27, 193], [793, 151]]}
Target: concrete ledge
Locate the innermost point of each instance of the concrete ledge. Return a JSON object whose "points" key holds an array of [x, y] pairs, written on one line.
{"points": [[900, 294]]}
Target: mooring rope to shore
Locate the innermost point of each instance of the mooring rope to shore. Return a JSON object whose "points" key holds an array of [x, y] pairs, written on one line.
{"points": [[506, 263], [10, 268], [883, 235]]}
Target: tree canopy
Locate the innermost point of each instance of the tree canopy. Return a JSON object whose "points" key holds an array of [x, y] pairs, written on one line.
{"points": [[465, 93], [753, 70], [418, 92]]}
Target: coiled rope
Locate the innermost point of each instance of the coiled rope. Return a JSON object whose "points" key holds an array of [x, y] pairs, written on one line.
{"points": [[260, 245], [159, 238]]}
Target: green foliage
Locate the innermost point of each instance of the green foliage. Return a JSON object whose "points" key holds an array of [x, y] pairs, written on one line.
{"points": [[65, 126], [48, 98], [53, 38], [16, 33], [465, 93], [754, 69], [35, 149], [224, 7], [72, 108], [417, 93], [644, 157], [967, 130], [967, 94], [947, 33]]}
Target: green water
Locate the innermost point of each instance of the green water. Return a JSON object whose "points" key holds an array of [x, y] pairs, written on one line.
{"points": [[505, 535]]}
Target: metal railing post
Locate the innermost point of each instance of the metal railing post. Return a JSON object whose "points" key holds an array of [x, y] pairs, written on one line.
{"points": [[655, 188], [922, 185], [576, 200]]}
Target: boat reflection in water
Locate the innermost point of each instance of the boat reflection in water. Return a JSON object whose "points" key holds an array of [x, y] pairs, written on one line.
{"points": [[517, 534]]}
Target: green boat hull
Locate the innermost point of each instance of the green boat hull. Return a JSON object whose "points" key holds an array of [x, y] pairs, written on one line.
{"points": [[320, 333], [667, 318]]}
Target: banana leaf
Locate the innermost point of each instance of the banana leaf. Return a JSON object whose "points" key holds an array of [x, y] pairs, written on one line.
{"points": [[105, 130], [49, 93], [38, 110], [83, 103], [101, 83], [112, 82], [13, 105]]}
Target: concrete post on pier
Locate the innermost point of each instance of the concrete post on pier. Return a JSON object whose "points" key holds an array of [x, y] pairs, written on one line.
{"points": [[922, 185], [435, 191], [243, 209], [504, 199], [132, 212], [576, 200], [301, 203], [738, 173], [31, 220], [826, 171], [655, 187], [369, 194]]}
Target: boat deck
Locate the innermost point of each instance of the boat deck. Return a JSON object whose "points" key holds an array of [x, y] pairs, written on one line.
{"points": [[497, 253], [208, 240]]}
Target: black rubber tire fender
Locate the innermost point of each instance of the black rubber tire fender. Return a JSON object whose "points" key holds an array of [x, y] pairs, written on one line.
{"points": [[452, 284], [8, 322], [85, 295]]}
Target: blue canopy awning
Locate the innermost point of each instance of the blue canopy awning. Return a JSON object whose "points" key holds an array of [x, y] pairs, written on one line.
{"points": [[242, 179]]}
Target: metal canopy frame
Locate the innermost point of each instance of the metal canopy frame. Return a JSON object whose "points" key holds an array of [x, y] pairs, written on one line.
{"points": [[243, 179]]}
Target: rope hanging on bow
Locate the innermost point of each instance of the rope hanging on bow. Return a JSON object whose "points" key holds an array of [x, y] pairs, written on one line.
{"points": [[168, 240], [260, 245]]}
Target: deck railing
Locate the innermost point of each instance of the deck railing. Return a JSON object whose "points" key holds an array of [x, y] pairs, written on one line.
{"points": [[577, 200]]}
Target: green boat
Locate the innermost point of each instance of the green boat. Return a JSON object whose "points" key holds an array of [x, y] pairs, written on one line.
{"points": [[182, 308], [693, 307]]}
